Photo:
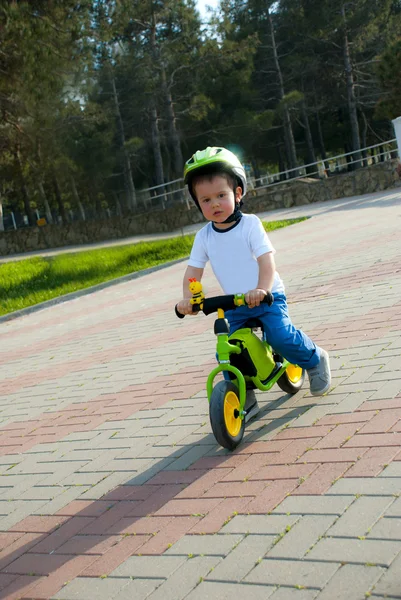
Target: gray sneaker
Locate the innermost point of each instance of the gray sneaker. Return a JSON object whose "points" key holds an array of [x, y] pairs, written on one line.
{"points": [[251, 405], [320, 376]]}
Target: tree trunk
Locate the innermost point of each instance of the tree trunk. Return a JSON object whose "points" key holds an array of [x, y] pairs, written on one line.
{"points": [[60, 203], [352, 109], [49, 216], [129, 183], [155, 134], [289, 142], [256, 172], [98, 208], [364, 140], [27, 205], [173, 136], [1, 215], [321, 142], [157, 154], [118, 205], [77, 198], [310, 150], [394, 152], [281, 162]]}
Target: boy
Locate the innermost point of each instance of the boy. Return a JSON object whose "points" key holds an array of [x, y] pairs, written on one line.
{"points": [[242, 258]]}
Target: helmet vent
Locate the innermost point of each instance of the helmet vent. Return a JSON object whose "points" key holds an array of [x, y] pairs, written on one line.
{"points": [[190, 161]]}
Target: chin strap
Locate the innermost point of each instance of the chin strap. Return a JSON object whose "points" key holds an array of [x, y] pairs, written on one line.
{"points": [[236, 215]]}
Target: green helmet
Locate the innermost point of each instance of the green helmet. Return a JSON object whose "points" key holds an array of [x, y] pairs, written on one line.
{"points": [[211, 160]]}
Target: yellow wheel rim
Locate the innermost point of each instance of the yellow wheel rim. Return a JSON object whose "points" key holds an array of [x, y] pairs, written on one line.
{"points": [[294, 373], [231, 414]]}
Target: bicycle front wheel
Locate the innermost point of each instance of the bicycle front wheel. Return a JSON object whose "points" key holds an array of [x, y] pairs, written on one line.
{"points": [[224, 414]]}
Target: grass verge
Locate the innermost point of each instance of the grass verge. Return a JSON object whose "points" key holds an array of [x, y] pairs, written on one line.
{"points": [[33, 280]]}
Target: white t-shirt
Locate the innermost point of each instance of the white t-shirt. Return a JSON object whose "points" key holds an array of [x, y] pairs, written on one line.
{"points": [[233, 254]]}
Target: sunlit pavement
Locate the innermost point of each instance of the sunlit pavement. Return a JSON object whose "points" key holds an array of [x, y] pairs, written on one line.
{"points": [[112, 484]]}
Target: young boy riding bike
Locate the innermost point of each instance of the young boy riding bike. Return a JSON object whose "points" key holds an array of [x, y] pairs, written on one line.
{"points": [[242, 258]]}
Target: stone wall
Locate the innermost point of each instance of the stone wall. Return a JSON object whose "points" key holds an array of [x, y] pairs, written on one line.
{"points": [[305, 191]]}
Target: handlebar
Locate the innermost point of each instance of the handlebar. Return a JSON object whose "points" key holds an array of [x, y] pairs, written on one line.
{"points": [[228, 302]]}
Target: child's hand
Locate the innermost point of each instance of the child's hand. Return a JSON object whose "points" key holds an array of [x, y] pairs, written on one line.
{"points": [[185, 307], [254, 297]]}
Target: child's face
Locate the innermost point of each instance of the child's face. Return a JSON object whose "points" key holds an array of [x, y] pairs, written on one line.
{"points": [[216, 199]]}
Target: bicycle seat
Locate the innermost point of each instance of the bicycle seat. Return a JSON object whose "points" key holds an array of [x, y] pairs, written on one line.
{"points": [[253, 323]]}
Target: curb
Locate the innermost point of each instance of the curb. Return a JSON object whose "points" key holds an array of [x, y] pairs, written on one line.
{"points": [[85, 292]]}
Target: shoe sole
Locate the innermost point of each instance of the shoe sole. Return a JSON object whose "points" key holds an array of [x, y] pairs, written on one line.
{"points": [[322, 391]]}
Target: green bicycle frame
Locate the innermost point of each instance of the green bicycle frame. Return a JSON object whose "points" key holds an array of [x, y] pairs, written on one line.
{"points": [[223, 351]]}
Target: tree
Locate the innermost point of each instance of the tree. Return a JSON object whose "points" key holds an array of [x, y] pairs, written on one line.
{"points": [[389, 74], [40, 42]]}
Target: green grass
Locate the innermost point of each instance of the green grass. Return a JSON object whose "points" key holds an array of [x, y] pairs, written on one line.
{"points": [[30, 281], [272, 225]]}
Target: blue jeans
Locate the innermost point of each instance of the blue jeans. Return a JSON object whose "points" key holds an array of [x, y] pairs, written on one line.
{"points": [[291, 343]]}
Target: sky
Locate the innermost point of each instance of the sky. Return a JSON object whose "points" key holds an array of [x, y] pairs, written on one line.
{"points": [[201, 5]]}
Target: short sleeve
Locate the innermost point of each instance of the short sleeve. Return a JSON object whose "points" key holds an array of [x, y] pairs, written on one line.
{"points": [[198, 257], [258, 239]]}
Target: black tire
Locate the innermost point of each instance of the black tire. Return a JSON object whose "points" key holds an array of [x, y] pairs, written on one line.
{"points": [[292, 379], [225, 395]]}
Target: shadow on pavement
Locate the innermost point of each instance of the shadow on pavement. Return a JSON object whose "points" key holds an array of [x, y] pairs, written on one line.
{"points": [[145, 515]]}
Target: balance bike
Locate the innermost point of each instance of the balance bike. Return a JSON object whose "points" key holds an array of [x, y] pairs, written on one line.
{"points": [[227, 398]]}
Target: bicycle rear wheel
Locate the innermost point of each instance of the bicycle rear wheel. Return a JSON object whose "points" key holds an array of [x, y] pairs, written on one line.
{"points": [[292, 379]]}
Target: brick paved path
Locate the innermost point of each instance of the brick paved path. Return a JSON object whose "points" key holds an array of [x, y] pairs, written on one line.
{"points": [[112, 485]]}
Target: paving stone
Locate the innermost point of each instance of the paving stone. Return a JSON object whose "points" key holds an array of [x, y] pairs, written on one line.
{"points": [[360, 516], [393, 470], [185, 579], [138, 589], [261, 524], [293, 573], [389, 584], [390, 389], [24, 510], [350, 403], [369, 486], [58, 503], [242, 558], [149, 566], [313, 414], [87, 544], [305, 533], [64, 533], [215, 590], [211, 545], [20, 586], [83, 588], [107, 375], [42, 493], [395, 509], [322, 478], [108, 483], [220, 515], [150, 472], [387, 529], [117, 554], [189, 458], [271, 496], [378, 552], [314, 505], [373, 462], [287, 593], [351, 581]]}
